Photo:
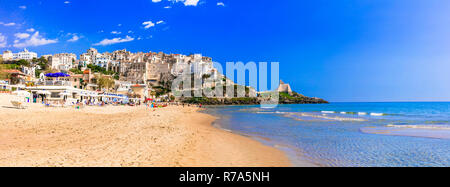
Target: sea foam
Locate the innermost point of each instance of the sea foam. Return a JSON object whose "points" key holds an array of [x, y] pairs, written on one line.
{"points": [[437, 127], [314, 117]]}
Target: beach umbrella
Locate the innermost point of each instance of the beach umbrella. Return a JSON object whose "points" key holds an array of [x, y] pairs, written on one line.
{"points": [[60, 74], [65, 94], [43, 92], [22, 93]]}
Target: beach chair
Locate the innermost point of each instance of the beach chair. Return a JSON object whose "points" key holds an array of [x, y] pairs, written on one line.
{"points": [[17, 104]]}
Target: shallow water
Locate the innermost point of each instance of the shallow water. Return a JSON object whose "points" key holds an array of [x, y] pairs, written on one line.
{"points": [[351, 134]]}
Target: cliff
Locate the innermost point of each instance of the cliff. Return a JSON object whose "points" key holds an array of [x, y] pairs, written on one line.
{"points": [[284, 99]]}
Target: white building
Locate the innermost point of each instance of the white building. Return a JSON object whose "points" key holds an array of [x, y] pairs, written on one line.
{"points": [[85, 59], [62, 61], [92, 52], [192, 64], [25, 55], [123, 87], [7, 55], [102, 60], [31, 71]]}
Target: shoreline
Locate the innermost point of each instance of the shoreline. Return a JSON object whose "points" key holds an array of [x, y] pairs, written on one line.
{"points": [[295, 155], [242, 151], [126, 137]]}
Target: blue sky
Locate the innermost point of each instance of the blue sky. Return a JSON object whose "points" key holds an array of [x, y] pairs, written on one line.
{"points": [[346, 50]]}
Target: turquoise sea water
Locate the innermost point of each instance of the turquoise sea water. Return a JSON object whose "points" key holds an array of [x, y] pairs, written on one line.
{"points": [[349, 134]]}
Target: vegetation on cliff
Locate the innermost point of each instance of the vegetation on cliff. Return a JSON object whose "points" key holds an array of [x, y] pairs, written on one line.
{"points": [[284, 99], [296, 98]]}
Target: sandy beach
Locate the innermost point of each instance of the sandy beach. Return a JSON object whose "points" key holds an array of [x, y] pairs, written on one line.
{"points": [[124, 137]]}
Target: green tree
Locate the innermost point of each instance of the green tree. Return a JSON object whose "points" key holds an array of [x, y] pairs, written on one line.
{"points": [[99, 69], [37, 73], [105, 82], [116, 76], [43, 63], [23, 62], [3, 75], [76, 71], [35, 60]]}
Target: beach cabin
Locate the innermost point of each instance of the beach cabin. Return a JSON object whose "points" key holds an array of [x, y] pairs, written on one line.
{"points": [[6, 87], [17, 77], [63, 95], [110, 98], [57, 88]]}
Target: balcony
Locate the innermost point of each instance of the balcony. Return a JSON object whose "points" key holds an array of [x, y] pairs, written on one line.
{"points": [[55, 83]]}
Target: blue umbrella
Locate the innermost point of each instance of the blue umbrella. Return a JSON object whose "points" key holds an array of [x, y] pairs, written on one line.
{"points": [[60, 74]]}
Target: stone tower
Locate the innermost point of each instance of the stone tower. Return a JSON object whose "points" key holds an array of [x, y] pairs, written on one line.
{"points": [[284, 88]]}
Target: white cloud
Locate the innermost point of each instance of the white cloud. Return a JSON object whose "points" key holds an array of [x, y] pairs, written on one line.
{"points": [[74, 38], [116, 32], [159, 22], [114, 41], [35, 40], [66, 2], [185, 2], [148, 24], [7, 24], [191, 2], [22, 35], [2, 40], [167, 7], [30, 30], [220, 4], [23, 7], [119, 24]]}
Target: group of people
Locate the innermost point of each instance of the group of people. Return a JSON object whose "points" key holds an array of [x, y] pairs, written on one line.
{"points": [[188, 105], [151, 104]]}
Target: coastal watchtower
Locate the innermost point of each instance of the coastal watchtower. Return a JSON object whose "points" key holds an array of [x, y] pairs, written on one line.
{"points": [[284, 88]]}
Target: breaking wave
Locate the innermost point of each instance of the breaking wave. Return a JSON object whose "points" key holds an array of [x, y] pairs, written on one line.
{"points": [[437, 127], [314, 117], [354, 113]]}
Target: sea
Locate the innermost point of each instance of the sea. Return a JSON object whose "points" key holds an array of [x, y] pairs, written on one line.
{"points": [[397, 134]]}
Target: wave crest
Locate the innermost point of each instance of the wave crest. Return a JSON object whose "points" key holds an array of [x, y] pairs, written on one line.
{"points": [[437, 127]]}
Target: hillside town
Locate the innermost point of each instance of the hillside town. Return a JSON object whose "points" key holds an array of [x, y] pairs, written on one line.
{"points": [[137, 75], [121, 75]]}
